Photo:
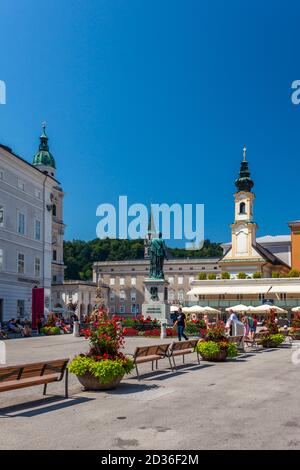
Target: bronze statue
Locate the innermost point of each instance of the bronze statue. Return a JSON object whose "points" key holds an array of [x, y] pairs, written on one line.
{"points": [[158, 253]]}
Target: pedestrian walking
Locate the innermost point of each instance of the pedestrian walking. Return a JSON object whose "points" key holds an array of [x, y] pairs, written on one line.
{"points": [[180, 323]]}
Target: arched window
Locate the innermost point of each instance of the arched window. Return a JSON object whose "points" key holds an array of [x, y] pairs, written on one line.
{"points": [[54, 210], [242, 208]]}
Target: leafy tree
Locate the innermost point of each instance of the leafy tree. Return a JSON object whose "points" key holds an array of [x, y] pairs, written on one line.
{"points": [[242, 275], [257, 275], [294, 273], [79, 255], [212, 276], [225, 275]]}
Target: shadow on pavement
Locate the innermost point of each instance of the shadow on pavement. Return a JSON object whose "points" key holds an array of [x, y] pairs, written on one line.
{"points": [[41, 406]]}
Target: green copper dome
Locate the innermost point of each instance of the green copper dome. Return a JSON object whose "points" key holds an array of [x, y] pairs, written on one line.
{"points": [[244, 181], [43, 156]]}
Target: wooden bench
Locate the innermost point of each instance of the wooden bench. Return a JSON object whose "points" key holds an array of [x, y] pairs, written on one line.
{"points": [[254, 342], [151, 354], [181, 348], [37, 373]]}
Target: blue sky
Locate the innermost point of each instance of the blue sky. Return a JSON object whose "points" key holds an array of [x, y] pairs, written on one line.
{"points": [[170, 90]]}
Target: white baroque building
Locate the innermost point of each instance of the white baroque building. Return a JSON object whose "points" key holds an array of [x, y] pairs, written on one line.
{"points": [[31, 230]]}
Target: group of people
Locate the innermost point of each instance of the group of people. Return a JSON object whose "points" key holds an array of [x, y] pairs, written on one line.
{"points": [[249, 322], [16, 326]]}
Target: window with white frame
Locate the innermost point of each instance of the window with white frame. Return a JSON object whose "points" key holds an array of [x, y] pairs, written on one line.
{"points": [[171, 295], [37, 229], [112, 281], [37, 267], [133, 296], [122, 295], [171, 280], [122, 308], [21, 223], [21, 263], [21, 184], [1, 259], [137, 309], [133, 281], [112, 309], [180, 280], [133, 309], [20, 308], [191, 279], [37, 193], [180, 295], [112, 296], [122, 281], [1, 216]]}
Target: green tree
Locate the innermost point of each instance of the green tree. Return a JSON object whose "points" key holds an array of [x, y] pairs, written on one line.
{"points": [[225, 275], [257, 275], [202, 276], [212, 276], [294, 273], [242, 275]]}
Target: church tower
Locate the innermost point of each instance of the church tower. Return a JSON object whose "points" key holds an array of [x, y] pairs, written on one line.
{"points": [[44, 161], [244, 228]]}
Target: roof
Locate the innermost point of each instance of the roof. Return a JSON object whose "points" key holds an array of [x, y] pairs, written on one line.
{"points": [[268, 256], [274, 239], [268, 239]]}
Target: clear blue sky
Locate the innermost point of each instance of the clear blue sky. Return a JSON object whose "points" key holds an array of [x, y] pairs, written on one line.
{"points": [[131, 89]]}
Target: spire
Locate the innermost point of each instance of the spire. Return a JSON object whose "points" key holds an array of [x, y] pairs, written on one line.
{"points": [[43, 157], [244, 181], [151, 225], [44, 139]]}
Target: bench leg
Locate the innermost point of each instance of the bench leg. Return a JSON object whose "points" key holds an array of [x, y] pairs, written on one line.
{"points": [[175, 368], [183, 358], [156, 364], [137, 372], [198, 357], [172, 369], [66, 384], [152, 365], [45, 389]]}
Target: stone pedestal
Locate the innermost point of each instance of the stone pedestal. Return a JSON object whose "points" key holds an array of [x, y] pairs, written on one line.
{"points": [[156, 304]]}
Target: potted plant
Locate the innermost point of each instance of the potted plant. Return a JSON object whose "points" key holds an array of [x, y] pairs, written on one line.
{"points": [[104, 366], [272, 340], [216, 346]]}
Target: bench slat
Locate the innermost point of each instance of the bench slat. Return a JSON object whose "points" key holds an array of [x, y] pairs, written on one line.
{"points": [[16, 384]]}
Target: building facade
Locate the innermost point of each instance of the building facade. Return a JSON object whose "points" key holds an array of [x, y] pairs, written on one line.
{"points": [[125, 280], [27, 229], [81, 294]]}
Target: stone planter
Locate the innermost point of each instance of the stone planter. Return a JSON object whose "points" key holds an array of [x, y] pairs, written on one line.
{"points": [[90, 382], [220, 357]]}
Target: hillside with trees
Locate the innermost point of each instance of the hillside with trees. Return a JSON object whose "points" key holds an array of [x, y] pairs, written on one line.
{"points": [[80, 255]]}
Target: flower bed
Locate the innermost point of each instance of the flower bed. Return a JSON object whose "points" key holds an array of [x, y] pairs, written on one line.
{"points": [[50, 330]]}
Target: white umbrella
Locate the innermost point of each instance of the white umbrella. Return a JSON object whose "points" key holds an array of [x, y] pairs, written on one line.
{"points": [[239, 308], [211, 310], [267, 308], [174, 308], [195, 309], [296, 309], [186, 309]]}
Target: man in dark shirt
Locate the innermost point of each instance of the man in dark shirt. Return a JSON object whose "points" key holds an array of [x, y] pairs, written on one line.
{"points": [[180, 323]]}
